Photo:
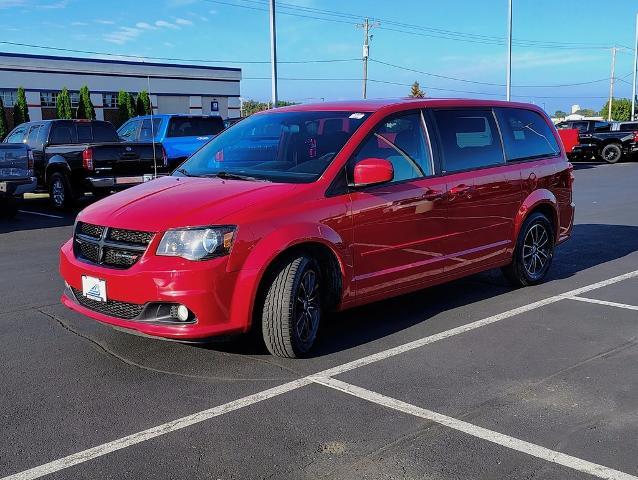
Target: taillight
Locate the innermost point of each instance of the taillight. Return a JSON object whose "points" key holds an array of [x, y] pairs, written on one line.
{"points": [[87, 158], [30, 163], [636, 137], [164, 157]]}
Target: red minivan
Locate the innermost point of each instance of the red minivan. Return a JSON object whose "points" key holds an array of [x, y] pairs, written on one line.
{"points": [[301, 210]]}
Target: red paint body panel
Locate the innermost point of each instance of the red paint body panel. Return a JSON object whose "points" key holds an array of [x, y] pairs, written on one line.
{"points": [[388, 239], [569, 137]]}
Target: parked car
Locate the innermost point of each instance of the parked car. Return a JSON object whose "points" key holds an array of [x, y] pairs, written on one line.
{"points": [[598, 139], [180, 134], [16, 176], [359, 201], [229, 122], [76, 156]]}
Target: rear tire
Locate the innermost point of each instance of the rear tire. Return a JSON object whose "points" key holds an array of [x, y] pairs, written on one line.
{"points": [[533, 253], [292, 307], [60, 192], [611, 153]]}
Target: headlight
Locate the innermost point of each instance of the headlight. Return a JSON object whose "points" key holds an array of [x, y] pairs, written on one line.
{"points": [[197, 243]]}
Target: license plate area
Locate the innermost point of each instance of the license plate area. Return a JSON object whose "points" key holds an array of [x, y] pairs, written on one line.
{"points": [[94, 288], [3, 186]]}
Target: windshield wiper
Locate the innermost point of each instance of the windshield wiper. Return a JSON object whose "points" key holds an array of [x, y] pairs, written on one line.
{"points": [[236, 176]]}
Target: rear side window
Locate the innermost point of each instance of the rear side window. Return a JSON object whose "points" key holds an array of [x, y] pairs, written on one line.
{"points": [[148, 130], [61, 134], [582, 127], [128, 132], [628, 127], [469, 139], [526, 134], [602, 127], [104, 132], [194, 126]]}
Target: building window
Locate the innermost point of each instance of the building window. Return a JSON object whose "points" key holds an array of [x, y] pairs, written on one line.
{"points": [[109, 100], [8, 97], [75, 99], [48, 99]]}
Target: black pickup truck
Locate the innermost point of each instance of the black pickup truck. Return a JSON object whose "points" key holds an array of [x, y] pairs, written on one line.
{"points": [[599, 139], [72, 157], [16, 176]]}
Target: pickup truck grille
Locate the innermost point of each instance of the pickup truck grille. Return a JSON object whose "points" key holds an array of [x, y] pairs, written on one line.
{"points": [[110, 247], [112, 308]]}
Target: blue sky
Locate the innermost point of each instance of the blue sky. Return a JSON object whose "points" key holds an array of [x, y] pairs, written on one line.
{"points": [[558, 43]]}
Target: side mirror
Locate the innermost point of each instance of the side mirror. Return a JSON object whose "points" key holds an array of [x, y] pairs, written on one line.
{"points": [[373, 171]]}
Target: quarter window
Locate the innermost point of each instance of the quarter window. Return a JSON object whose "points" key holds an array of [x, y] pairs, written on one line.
{"points": [[469, 139], [400, 140], [526, 134]]}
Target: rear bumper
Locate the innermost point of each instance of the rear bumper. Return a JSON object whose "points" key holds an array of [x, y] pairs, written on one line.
{"points": [[583, 150], [119, 181], [11, 188], [206, 288]]}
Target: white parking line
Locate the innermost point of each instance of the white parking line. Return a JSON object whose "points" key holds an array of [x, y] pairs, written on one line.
{"points": [[604, 302], [532, 449], [40, 214], [180, 423]]}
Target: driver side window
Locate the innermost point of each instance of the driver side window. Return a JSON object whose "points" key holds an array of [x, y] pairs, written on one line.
{"points": [[400, 139]]}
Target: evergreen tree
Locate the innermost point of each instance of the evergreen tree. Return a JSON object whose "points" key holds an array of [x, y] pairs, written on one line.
{"points": [[143, 106], [123, 102], [85, 106], [20, 109], [63, 105], [131, 105], [4, 125], [416, 92]]}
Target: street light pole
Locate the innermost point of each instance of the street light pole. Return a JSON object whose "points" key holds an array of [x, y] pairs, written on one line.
{"points": [[508, 83], [611, 81], [633, 90], [273, 53]]}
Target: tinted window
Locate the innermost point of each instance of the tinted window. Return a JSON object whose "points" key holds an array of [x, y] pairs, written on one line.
{"points": [[148, 131], [582, 127], [128, 131], [33, 134], [17, 136], [104, 132], [469, 139], [400, 140], [194, 126], [62, 134], [283, 146], [525, 134], [84, 133], [602, 127], [628, 127]]}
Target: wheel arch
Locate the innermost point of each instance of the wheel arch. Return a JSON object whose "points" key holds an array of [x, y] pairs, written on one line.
{"points": [[542, 201], [56, 164]]}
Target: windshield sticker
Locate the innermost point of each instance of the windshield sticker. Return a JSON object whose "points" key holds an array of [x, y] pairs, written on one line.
{"points": [[357, 116]]}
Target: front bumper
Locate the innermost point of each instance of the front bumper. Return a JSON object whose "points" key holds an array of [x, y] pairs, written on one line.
{"points": [[15, 188], [206, 288]]}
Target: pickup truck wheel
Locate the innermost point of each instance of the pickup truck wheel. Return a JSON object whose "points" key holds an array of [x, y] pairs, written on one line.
{"points": [[533, 253], [60, 191], [292, 308], [611, 153]]}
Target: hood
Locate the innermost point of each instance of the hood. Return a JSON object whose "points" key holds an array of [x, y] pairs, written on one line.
{"points": [[174, 202]]}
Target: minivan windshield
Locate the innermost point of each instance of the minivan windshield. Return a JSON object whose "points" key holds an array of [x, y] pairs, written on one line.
{"points": [[288, 147]]}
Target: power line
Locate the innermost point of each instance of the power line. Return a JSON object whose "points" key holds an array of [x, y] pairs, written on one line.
{"points": [[172, 59]]}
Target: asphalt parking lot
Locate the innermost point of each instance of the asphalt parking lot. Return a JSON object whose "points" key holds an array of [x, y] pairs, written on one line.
{"points": [[467, 380]]}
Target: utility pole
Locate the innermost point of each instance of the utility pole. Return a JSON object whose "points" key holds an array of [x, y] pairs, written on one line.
{"points": [[273, 53], [367, 26], [633, 90], [611, 81], [508, 82]]}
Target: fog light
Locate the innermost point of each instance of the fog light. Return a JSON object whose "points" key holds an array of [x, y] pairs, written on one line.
{"points": [[182, 313]]}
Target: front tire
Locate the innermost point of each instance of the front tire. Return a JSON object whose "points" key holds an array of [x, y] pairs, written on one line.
{"points": [[60, 192], [533, 253], [292, 308], [611, 153]]}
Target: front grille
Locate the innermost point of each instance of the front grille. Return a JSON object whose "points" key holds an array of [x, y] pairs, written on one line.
{"points": [[112, 308], [110, 247]]}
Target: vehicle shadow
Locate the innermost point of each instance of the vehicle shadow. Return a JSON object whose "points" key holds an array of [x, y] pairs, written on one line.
{"points": [[36, 213], [586, 164], [589, 246]]}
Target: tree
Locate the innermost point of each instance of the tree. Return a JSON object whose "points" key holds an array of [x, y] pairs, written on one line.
{"points": [[85, 106], [63, 105], [143, 106], [586, 112], [131, 105], [4, 125], [560, 114], [416, 92], [620, 109], [248, 107], [123, 102], [20, 109]]}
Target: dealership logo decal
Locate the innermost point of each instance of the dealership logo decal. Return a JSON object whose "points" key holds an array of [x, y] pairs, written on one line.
{"points": [[94, 292]]}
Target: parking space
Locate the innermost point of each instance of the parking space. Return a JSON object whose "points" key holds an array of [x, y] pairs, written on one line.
{"points": [[466, 380]]}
